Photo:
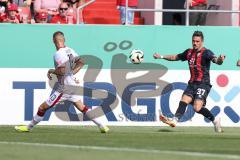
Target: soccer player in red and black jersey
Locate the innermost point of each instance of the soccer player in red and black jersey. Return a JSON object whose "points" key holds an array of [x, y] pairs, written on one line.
{"points": [[199, 60], [238, 63]]}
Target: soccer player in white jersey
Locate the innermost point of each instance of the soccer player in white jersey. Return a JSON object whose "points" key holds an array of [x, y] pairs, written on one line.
{"points": [[67, 63]]}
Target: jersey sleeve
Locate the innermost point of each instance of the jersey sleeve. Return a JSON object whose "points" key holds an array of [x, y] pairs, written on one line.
{"points": [[59, 60], [183, 56], [75, 56], [74, 53], [209, 55]]}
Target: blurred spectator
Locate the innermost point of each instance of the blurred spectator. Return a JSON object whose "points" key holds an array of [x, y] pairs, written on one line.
{"points": [[21, 3], [73, 5], [121, 5], [64, 16], [18, 2], [48, 6], [176, 19], [41, 17], [197, 18], [3, 6], [25, 14], [11, 15], [28, 2]]}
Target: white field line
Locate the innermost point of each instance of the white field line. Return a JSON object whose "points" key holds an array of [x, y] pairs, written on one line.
{"points": [[116, 149]]}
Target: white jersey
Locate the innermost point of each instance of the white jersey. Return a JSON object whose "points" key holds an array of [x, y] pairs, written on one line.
{"points": [[65, 57], [63, 90]]}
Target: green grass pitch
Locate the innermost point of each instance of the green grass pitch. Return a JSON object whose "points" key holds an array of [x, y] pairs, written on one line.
{"points": [[126, 143]]}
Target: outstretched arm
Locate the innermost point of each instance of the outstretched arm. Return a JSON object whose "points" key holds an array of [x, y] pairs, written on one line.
{"points": [[166, 57], [219, 60], [238, 63]]}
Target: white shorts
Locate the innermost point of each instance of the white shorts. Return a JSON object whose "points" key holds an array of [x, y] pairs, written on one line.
{"points": [[57, 97]]}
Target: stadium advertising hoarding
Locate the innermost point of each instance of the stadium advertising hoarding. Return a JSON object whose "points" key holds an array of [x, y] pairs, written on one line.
{"points": [[128, 94]]}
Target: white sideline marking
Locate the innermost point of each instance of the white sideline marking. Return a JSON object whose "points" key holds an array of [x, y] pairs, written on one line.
{"points": [[100, 148]]}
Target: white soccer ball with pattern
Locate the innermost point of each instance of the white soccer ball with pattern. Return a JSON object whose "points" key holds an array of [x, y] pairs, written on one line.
{"points": [[136, 56]]}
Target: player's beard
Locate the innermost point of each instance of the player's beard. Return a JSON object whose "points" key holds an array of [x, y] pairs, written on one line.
{"points": [[197, 48]]}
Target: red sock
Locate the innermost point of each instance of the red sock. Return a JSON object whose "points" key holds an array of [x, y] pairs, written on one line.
{"points": [[85, 109], [41, 112]]}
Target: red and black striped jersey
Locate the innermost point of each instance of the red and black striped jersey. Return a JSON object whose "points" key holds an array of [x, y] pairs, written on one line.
{"points": [[199, 64]]}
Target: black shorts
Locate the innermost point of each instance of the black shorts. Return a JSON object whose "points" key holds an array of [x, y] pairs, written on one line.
{"points": [[198, 91]]}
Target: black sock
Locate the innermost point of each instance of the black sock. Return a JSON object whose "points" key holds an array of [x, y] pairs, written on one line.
{"points": [[181, 109], [206, 113]]}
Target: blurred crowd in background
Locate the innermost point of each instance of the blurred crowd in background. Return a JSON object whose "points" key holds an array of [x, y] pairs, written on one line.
{"points": [[39, 11]]}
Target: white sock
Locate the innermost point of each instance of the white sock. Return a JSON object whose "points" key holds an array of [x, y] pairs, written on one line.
{"points": [[216, 120], [175, 120], [36, 119], [95, 120]]}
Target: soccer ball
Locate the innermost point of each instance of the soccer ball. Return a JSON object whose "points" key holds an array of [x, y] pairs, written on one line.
{"points": [[136, 56]]}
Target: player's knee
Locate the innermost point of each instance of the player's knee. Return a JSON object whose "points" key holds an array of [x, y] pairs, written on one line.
{"points": [[186, 99], [197, 105], [197, 109]]}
